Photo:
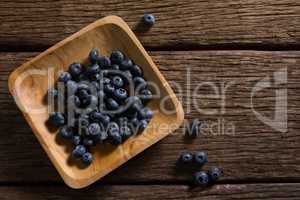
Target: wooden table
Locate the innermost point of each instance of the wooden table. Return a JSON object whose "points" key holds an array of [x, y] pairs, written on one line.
{"points": [[230, 45]]}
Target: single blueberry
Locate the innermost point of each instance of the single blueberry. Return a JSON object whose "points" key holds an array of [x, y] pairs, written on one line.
{"points": [[145, 113], [93, 69], [64, 77], [145, 95], [93, 55], [120, 94], [113, 127], [126, 64], [201, 178], [75, 69], [148, 19], [139, 83], [78, 151], [112, 104], [115, 67], [116, 57], [57, 119], [136, 71], [104, 61], [214, 173], [142, 125], [109, 89], [102, 136], [76, 140], [186, 157], [94, 129], [87, 158], [100, 118], [66, 132], [88, 142], [115, 138], [200, 157], [117, 81]]}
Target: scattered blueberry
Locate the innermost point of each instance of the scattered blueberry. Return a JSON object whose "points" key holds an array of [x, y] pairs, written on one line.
{"points": [[88, 142], [120, 94], [186, 157], [214, 173], [200, 157], [64, 77], [75, 69], [126, 64], [112, 104], [104, 62], [201, 178], [148, 19], [117, 81], [66, 132], [136, 71], [76, 140]]}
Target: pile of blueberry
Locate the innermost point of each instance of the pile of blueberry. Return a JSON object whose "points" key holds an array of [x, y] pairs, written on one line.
{"points": [[200, 158], [102, 101]]}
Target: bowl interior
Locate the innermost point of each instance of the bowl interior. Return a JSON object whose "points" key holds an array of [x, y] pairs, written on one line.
{"points": [[31, 81]]}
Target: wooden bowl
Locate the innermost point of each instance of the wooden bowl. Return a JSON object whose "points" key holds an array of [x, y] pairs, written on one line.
{"points": [[29, 83]]}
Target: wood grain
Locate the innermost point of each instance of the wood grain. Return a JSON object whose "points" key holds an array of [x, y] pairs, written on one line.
{"points": [[149, 192], [180, 24], [255, 153]]}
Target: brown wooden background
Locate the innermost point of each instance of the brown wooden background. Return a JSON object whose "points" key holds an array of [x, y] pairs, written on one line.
{"points": [[218, 40]]}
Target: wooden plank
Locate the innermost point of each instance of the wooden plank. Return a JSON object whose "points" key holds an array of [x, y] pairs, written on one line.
{"points": [[254, 152], [189, 23], [147, 192]]}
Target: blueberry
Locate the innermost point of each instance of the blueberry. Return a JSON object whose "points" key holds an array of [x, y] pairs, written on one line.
{"points": [[115, 138], [136, 71], [75, 69], [115, 67], [113, 127], [72, 87], [57, 119], [145, 95], [94, 129], [120, 94], [126, 64], [142, 125], [117, 81], [93, 55], [64, 77], [102, 136], [200, 157], [194, 128], [83, 94], [201, 178], [112, 104], [139, 83], [52, 93], [100, 117], [125, 132], [148, 19], [87, 158], [78, 151], [186, 157], [76, 140], [66, 132], [105, 81], [109, 88], [93, 70], [104, 62], [116, 57], [145, 113], [88, 142], [214, 173]]}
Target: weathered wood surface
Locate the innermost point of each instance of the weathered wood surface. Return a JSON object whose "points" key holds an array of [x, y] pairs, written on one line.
{"points": [[180, 24], [256, 152], [147, 192]]}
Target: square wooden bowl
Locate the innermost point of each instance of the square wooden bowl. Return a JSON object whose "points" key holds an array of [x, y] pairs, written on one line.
{"points": [[29, 83]]}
